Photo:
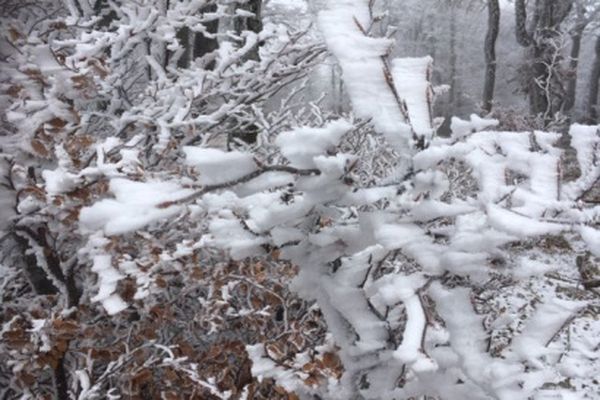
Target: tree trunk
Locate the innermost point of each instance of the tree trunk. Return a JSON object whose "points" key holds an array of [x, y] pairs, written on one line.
{"points": [[61, 381], [523, 37], [35, 275], [107, 15], [539, 81], [594, 85], [183, 37], [204, 45], [573, 65], [253, 24], [490, 54], [453, 60], [544, 86], [576, 36]]}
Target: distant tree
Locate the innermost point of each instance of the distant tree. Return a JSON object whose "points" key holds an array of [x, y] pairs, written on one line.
{"points": [[490, 54], [251, 23], [592, 101], [543, 39], [586, 12]]}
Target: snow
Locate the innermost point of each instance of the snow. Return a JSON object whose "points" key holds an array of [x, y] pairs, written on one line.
{"points": [[363, 69], [217, 166], [350, 302], [392, 289], [59, 181], [227, 232], [532, 343], [263, 367], [409, 351], [295, 5], [300, 146], [519, 225], [592, 237], [428, 210], [135, 205], [37, 325], [586, 142], [466, 334], [108, 277], [461, 128], [412, 240], [143, 279], [412, 82], [526, 267], [402, 271]]}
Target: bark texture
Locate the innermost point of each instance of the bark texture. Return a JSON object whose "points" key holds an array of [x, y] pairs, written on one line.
{"points": [[594, 85], [252, 24], [542, 40], [490, 54]]}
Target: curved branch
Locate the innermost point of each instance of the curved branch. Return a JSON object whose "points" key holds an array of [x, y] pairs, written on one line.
{"points": [[246, 178]]}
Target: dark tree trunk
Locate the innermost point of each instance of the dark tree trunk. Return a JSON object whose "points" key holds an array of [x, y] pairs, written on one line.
{"points": [[107, 14], [490, 54], [61, 382], [253, 24], [35, 275], [576, 37], [573, 65], [594, 85], [453, 60], [183, 37], [196, 44], [53, 264], [523, 37], [204, 45]]}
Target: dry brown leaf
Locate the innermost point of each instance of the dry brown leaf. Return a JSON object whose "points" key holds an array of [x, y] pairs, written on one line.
{"points": [[39, 148], [57, 123], [14, 90]]}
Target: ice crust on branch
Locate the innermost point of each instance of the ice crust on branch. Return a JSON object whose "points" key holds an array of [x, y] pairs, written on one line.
{"points": [[413, 85], [344, 25], [302, 145], [217, 166], [135, 205]]}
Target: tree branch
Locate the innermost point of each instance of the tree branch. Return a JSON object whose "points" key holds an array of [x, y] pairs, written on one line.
{"points": [[246, 178]]}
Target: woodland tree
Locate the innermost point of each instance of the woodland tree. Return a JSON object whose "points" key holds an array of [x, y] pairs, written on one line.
{"points": [[490, 54], [594, 84], [543, 39]]}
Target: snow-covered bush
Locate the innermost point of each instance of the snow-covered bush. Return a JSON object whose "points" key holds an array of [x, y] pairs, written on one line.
{"points": [[424, 266], [97, 99]]}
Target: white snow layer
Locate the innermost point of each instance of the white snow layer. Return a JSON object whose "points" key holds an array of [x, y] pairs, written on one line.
{"points": [[532, 343], [412, 82], [108, 277], [461, 128], [134, 206], [343, 25], [218, 166], [300, 146], [586, 141]]}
